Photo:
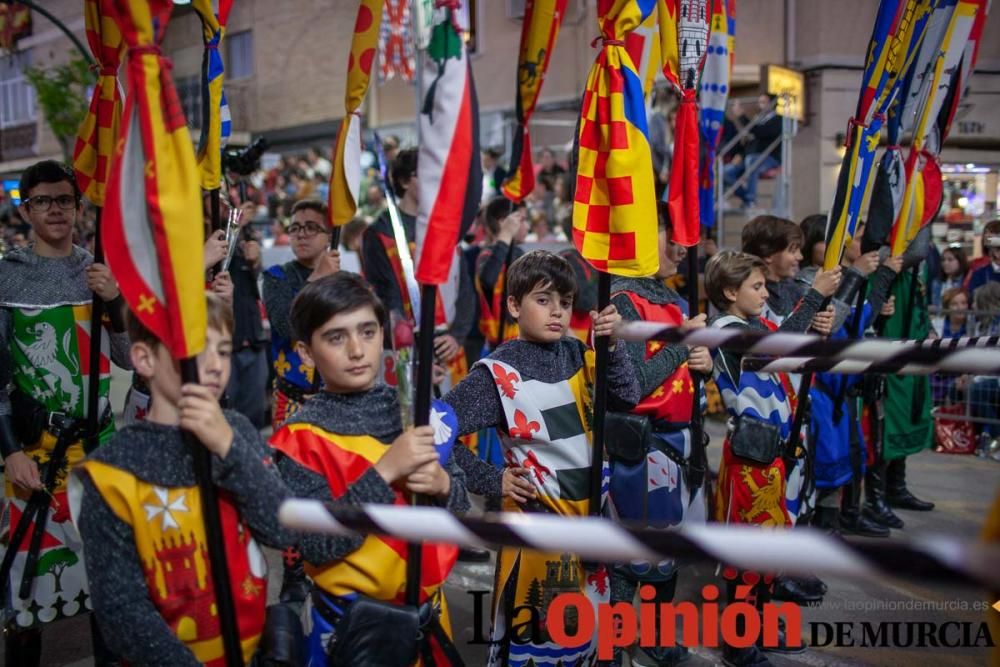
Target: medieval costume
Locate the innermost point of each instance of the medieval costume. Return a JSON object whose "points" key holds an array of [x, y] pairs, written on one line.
{"points": [[908, 421], [139, 510], [538, 396], [327, 451], [491, 281], [649, 479], [838, 445], [45, 318], [293, 382], [752, 474]]}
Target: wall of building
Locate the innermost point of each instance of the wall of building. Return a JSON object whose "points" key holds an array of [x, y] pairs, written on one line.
{"points": [[300, 51]]}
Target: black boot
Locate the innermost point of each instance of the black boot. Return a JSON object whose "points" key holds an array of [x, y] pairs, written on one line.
{"points": [[852, 521], [663, 656], [764, 596], [827, 518], [875, 507], [23, 647], [803, 591], [898, 495], [751, 656]]}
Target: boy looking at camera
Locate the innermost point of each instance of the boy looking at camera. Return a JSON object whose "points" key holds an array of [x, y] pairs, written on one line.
{"points": [[347, 443], [138, 507], [536, 391]]}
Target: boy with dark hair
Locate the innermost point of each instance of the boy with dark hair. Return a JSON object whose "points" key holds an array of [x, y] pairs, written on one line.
{"points": [[46, 293], [648, 478], [778, 242], [751, 484], [536, 392], [506, 227], [310, 233], [348, 443], [139, 510]]}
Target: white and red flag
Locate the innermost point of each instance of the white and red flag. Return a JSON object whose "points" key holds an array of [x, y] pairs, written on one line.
{"points": [[448, 163]]}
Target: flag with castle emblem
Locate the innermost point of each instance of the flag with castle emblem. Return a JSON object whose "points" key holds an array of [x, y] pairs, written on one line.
{"points": [[614, 209], [95, 141], [152, 219], [683, 41], [216, 125], [713, 97], [542, 19], [450, 171], [345, 179]]}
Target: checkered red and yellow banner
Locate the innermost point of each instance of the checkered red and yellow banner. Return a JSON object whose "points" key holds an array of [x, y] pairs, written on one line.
{"points": [[345, 179], [153, 213], [215, 119], [614, 211], [539, 32], [95, 140]]}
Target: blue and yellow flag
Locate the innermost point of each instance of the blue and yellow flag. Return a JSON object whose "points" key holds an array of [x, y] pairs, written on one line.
{"points": [[614, 210], [897, 25], [539, 32], [216, 125], [923, 194], [153, 212]]}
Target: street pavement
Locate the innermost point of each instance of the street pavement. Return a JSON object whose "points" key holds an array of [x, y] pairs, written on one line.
{"points": [[962, 486]]}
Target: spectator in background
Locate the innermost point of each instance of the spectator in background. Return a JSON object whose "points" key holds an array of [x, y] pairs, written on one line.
{"points": [[549, 166], [768, 129], [350, 245], [987, 268], [320, 165], [374, 201], [390, 146], [954, 266], [494, 173], [954, 317]]}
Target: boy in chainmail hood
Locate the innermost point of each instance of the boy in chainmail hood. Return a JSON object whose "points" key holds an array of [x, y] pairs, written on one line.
{"points": [[536, 391]]}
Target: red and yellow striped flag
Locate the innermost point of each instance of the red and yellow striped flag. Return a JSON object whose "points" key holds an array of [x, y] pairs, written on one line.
{"points": [[345, 179], [153, 216], [95, 140], [614, 210], [542, 20]]}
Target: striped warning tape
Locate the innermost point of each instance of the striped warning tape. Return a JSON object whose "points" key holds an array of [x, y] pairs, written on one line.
{"points": [[977, 354], [800, 551]]}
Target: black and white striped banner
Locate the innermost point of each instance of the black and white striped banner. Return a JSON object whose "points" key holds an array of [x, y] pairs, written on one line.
{"points": [[823, 365], [800, 551], [977, 354]]}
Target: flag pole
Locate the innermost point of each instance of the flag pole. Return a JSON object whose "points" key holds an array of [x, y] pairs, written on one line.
{"points": [[96, 331], [202, 459], [603, 353], [699, 461], [425, 338]]}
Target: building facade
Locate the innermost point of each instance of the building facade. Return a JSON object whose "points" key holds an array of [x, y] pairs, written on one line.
{"points": [[286, 67]]}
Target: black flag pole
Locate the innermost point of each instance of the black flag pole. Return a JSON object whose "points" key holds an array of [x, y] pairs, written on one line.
{"points": [[603, 353], [421, 417], [96, 332], [213, 534], [699, 461]]}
